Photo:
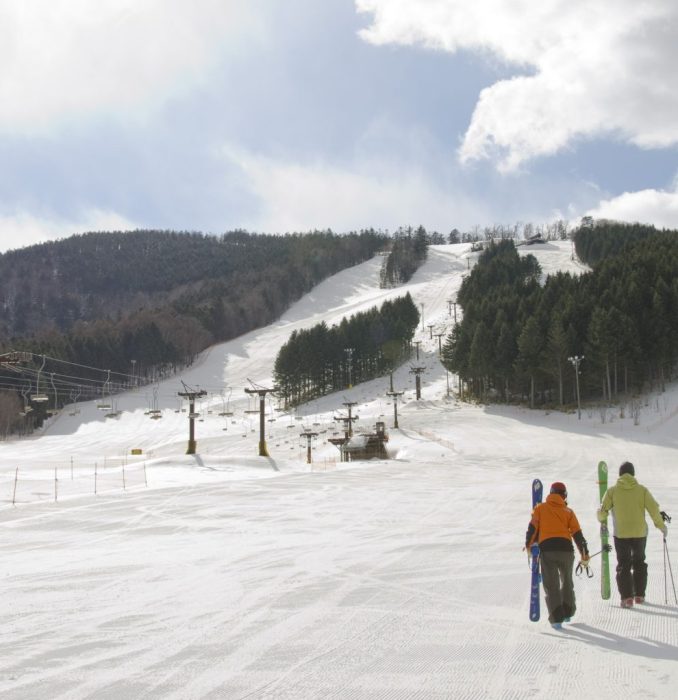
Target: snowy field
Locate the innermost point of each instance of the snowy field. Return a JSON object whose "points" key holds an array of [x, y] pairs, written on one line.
{"points": [[228, 575]]}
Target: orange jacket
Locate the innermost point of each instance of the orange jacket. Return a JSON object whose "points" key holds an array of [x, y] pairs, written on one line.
{"points": [[554, 525]]}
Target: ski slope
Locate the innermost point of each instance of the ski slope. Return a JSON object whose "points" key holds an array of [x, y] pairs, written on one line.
{"points": [[228, 575]]}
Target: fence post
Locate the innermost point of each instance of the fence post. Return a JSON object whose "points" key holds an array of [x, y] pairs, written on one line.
{"points": [[16, 478], [95, 478], [145, 479], [124, 486]]}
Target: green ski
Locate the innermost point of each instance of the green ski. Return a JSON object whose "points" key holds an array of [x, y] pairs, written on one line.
{"points": [[604, 537]]}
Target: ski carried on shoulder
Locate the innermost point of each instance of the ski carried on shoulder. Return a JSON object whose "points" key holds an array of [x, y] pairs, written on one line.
{"points": [[537, 495], [604, 537]]}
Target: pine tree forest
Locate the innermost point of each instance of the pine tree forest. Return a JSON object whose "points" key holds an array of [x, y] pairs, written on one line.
{"points": [[517, 334], [147, 302], [324, 359], [407, 253]]}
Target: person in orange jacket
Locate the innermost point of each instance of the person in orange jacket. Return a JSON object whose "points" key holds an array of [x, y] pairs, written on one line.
{"points": [[553, 526]]}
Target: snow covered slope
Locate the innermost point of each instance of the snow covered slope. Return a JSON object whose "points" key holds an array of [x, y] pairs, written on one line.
{"points": [[231, 575]]}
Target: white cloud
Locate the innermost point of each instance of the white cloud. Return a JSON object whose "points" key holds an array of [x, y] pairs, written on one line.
{"points": [[69, 59], [371, 192], [21, 229], [582, 69], [656, 207]]}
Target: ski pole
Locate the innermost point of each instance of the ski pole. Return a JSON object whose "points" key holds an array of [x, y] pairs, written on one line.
{"points": [[666, 597], [606, 548], [667, 559], [589, 573]]}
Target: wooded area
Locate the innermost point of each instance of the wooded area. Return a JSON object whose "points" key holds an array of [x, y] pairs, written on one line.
{"points": [[321, 360], [156, 298], [516, 336], [407, 253]]}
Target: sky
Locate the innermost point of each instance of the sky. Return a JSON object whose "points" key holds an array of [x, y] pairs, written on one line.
{"points": [[228, 575], [344, 114]]}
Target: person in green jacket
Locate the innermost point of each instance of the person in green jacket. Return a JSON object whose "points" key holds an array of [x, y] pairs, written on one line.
{"points": [[628, 500]]}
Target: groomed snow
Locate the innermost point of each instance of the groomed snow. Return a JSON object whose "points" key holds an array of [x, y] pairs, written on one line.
{"points": [[236, 576]]}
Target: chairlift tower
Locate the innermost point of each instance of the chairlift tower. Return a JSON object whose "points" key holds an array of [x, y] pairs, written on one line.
{"points": [[15, 358], [430, 330], [309, 435], [440, 343], [417, 343], [263, 451], [349, 406], [451, 303], [192, 415], [417, 371], [395, 395]]}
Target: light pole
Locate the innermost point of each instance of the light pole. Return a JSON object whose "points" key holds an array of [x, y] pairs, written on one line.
{"points": [[349, 362], [576, 360]]}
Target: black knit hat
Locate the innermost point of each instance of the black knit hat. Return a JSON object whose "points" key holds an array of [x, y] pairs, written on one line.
{"points": [[627, 468]]}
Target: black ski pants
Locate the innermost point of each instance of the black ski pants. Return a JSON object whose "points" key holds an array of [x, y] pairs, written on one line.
{"points": [[631, 566], [556, 575]]}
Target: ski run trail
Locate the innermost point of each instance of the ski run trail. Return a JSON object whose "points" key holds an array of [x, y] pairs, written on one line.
{"points": [[229, 575]]}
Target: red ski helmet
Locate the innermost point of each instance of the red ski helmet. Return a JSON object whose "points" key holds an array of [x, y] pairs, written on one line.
{"points": [[559, 488]]}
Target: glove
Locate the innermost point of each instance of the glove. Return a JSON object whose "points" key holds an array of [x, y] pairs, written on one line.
{"points": [[665, 516], [665, 531], [585, 559]]}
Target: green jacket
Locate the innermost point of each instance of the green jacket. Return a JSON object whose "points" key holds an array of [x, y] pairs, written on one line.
{"points": [[628, 500]]}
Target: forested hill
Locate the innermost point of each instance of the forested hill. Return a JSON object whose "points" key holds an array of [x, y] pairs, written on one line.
{"points": [[521, 340], [159, 296], [599, 240]]}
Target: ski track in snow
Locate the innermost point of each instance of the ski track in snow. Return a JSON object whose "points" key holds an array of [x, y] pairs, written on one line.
{"points": [[234, 576]]}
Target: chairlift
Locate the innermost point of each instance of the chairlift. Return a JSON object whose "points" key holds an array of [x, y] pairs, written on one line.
{"points": [[252, 403], [227, 408], [105, 405], [155, 413], [74, 399], [38, 397], [24, 395]]}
